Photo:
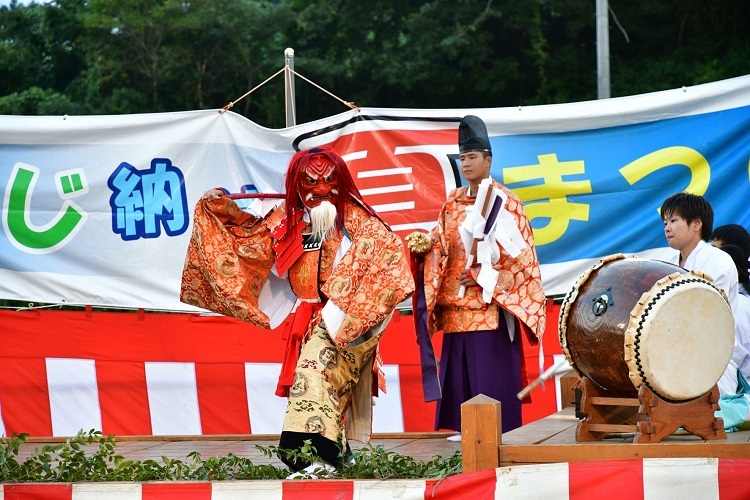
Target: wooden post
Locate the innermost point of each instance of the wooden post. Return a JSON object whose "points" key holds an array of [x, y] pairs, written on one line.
{"points": [[481, 433]]}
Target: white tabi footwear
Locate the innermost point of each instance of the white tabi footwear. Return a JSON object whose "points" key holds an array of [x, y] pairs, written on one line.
{"points": [[312, 471]]}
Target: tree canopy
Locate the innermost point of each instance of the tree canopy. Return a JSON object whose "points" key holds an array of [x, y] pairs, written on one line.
{"points": [[140, 56]]}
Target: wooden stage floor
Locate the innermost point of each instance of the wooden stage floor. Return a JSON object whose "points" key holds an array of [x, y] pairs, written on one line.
{"points": [[552, 439], [549, 440]]}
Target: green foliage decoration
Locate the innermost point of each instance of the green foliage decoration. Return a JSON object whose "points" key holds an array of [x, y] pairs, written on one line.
{"points": [[91, 456]]}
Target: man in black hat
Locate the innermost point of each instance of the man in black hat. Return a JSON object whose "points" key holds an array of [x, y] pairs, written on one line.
{"points": [[482, 289]]}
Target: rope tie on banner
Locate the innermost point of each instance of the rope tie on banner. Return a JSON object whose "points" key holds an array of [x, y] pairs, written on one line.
{"points": [[285, 69]]}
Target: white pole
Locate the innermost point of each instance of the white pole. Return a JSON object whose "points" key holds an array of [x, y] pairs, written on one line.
{"points": [[291, 112], [602, 49]]}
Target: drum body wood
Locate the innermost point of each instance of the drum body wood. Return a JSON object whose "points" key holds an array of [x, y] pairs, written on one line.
{"points": [[632, 321]]}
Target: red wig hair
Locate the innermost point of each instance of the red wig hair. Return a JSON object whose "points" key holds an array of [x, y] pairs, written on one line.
{"points": [[295, 175]]}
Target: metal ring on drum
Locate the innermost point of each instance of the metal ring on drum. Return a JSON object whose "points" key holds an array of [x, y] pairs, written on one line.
{"points": [[629, 321]]}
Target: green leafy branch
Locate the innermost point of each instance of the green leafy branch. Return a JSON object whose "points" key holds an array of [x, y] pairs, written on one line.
{"points": [[90, 456]]}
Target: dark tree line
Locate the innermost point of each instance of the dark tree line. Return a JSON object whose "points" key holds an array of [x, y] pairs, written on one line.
{"points": [[137, 56]]}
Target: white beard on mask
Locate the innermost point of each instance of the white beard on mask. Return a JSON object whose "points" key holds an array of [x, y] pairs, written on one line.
{"points": [[323, 220]]}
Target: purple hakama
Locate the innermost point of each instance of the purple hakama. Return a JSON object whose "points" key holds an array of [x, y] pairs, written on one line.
{"points": [[483, 362]]}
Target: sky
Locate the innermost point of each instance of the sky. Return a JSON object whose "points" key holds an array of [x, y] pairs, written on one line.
{"points": [[21, 2]]}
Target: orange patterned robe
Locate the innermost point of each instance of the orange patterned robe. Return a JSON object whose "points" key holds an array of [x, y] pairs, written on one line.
{"points": [[519, 286], [231, 255]]}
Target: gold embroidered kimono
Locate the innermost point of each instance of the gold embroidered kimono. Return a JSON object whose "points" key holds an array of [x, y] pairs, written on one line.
{"points": [[519, 285], [230, 256]]}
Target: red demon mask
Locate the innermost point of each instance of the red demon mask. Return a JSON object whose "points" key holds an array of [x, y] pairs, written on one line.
{"points": [[320, 182], [319, 174]]}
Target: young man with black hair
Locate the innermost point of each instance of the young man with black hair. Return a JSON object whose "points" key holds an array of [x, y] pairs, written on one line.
{"points": [[688, 222], [485, 300]]}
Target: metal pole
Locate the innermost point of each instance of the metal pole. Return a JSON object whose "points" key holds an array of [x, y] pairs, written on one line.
{"points": [[602, 49], [291, 112]]}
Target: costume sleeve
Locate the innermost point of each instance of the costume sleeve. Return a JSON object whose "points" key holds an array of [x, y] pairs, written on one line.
{"points": [[434, 267], [519, 284], [371, 278], [228, 260]]}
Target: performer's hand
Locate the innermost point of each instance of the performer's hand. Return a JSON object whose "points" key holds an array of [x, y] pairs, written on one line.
{"points": [[418, 242], [467, 279], [212, 194]]}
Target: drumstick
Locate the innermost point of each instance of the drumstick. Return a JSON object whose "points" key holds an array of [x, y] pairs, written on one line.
{"points": [[549, 372]]}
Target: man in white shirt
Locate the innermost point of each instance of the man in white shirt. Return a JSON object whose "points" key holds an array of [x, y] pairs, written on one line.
{"points": [[688, 222]]}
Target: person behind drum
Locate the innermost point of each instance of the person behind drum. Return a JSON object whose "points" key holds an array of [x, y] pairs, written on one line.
{"points": [[732, 234], [734, 384], [688, 221], [481, 350], [742, 312]]}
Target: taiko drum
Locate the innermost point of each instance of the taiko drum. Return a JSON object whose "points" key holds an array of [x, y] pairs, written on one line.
{"points": [[630, 321]]}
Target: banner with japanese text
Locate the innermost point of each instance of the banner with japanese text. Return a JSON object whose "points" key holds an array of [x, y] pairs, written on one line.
{"points": [[96, 210]]}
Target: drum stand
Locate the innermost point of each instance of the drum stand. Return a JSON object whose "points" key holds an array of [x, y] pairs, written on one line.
{"points": [[649, 416]]}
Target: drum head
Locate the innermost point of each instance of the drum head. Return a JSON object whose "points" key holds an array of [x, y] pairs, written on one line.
{"points": [[680, 337]]}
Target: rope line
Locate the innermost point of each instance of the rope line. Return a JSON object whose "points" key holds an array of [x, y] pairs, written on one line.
{"points": [[232, 103], [346, 103], [285, 69]]}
